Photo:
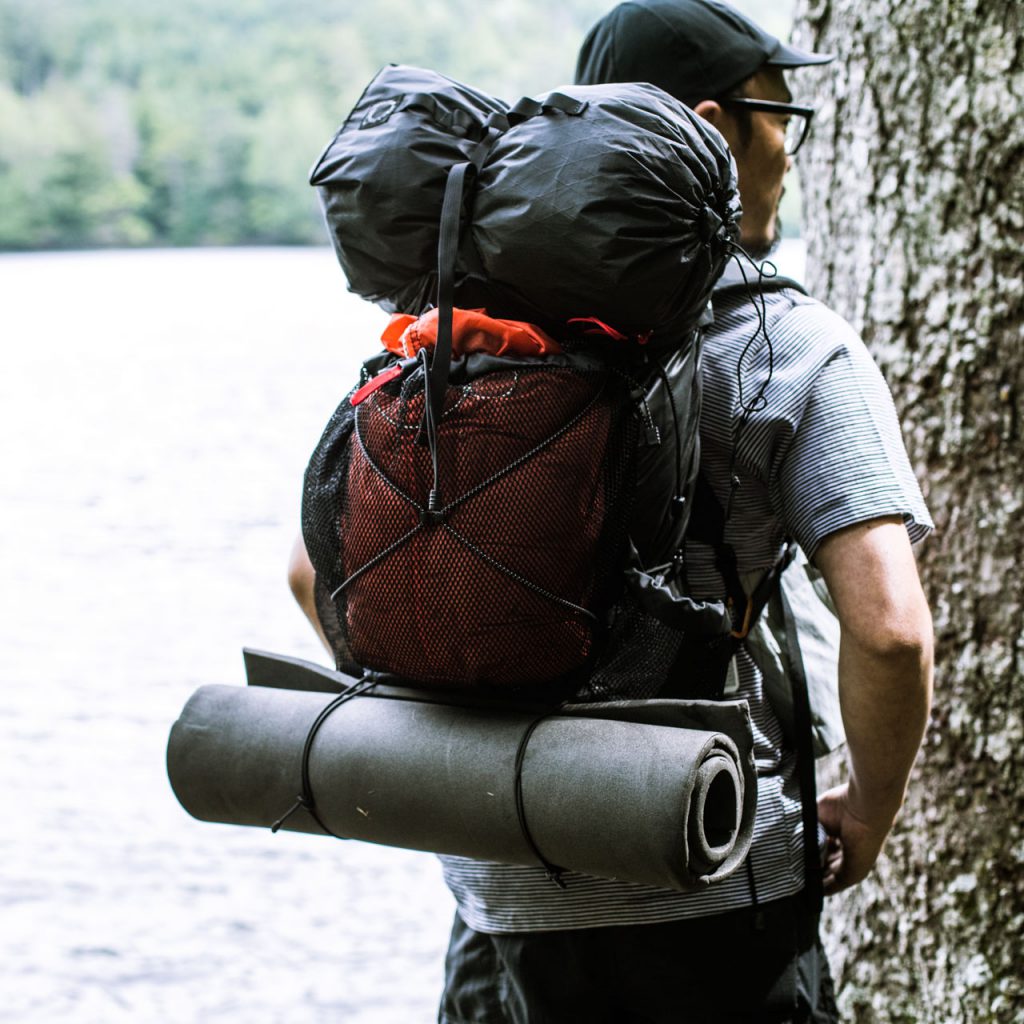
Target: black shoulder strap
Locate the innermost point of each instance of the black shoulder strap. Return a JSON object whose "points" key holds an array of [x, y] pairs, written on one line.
{"points": [[707, 526], [728, 283], [701, 663], [733, 285]]}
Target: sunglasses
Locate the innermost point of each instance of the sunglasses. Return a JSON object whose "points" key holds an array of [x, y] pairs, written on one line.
{"points": [[797, 127]]}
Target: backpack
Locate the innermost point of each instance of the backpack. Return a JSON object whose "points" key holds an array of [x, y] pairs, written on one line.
{"points": [[469, 509]]}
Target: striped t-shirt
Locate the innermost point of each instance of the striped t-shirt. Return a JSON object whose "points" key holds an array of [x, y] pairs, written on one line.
{"points": [[822, 451]]}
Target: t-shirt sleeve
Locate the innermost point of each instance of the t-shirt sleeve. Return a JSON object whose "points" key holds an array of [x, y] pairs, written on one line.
{"points": [[845, 461]]}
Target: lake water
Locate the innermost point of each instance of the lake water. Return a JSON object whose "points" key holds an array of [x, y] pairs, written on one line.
{"points": [[157, 410]]}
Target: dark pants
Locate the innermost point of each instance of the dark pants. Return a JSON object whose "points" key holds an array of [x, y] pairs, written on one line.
{"points": [[730, 968]]}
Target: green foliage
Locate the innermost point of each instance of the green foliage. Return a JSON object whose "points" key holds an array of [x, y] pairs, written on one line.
{"points": [[61, 182], [138, 122]]}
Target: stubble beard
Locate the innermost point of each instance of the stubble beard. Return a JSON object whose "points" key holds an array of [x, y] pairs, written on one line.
{"points": [[766, 249]]}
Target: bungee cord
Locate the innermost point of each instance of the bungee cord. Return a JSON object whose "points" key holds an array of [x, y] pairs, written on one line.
{"points": [[766, 270]]}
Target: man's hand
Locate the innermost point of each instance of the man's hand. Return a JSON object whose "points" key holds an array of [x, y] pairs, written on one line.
{"points": [[853, 842]]}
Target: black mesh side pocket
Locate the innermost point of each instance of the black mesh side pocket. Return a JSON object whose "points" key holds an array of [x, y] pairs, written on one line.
{"points": [[323, 486]]}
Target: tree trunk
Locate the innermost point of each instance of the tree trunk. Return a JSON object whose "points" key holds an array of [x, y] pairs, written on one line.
{"points": [[913, 185]]}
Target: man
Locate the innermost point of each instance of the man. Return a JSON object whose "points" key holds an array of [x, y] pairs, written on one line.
{"points": [[820, 460]]}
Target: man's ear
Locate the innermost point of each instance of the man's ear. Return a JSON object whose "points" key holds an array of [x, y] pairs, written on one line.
{"points": [[718, 117], [710, 111]]}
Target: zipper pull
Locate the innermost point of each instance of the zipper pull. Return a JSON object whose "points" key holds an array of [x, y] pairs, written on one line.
{"points": [[652, 435], [638, 396]]}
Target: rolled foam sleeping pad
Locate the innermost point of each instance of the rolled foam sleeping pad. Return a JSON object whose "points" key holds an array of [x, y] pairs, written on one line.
{"points": [[656, 792]]}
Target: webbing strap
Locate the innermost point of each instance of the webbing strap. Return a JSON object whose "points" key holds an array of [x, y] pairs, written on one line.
{"points": [[435, 382], [528, 107], [813, 874], [759, 597], [447, 250], [497, 125]]}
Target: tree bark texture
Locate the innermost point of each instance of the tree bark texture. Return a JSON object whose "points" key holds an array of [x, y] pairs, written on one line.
{"points": [[913, 186]]}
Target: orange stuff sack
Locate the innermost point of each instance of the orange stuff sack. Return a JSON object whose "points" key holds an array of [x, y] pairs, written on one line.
{"points": [[472, 331]]}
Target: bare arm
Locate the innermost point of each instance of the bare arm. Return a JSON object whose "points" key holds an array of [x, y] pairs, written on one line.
{"points": [[885, 687], [301, 580]]}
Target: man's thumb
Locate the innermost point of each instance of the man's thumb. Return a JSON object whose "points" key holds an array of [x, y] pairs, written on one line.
{"points": [[830, 812]]}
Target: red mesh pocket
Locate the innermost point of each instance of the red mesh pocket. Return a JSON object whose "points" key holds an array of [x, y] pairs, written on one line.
{"points": [[504, 586]]}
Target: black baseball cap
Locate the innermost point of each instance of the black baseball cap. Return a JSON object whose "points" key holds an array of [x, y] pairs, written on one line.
{"points": [[693, 49]]}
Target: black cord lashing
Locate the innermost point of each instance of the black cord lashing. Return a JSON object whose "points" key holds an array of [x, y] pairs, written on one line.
{"points": [[553, 872], [305, 799]]}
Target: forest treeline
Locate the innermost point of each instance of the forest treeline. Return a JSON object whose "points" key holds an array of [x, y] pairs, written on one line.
{"points": [[140, 122]]}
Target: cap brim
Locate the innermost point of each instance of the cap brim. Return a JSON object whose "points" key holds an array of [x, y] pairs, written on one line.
{"points": [[791, 57]]}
